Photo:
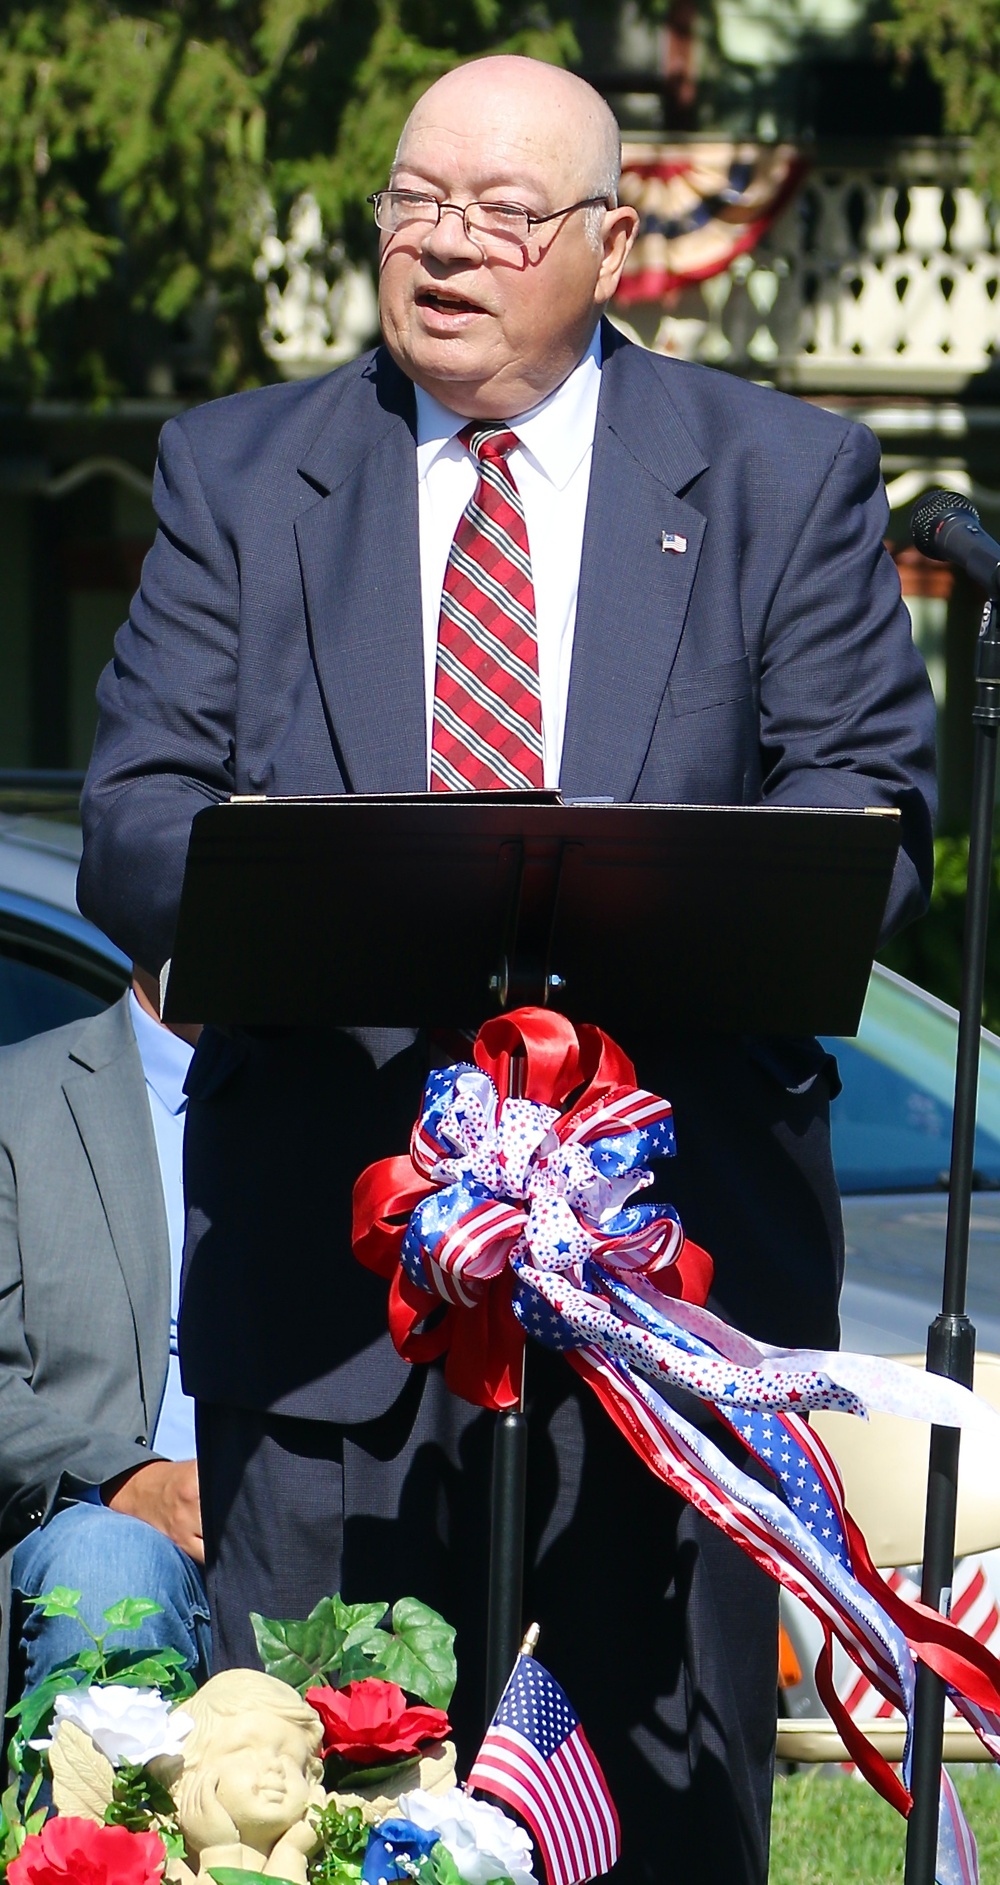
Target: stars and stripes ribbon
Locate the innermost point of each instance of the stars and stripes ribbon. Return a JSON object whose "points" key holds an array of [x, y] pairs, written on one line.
{"points": [[487, 727], [537, 1759], [515, 1216]]}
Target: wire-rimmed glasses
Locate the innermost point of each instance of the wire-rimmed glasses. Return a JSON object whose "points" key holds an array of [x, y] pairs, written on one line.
{"points": [[495, 226]]}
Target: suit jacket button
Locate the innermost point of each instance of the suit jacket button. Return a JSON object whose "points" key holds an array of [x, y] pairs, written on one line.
{"points": [[35, 1518], [140, 1439]]}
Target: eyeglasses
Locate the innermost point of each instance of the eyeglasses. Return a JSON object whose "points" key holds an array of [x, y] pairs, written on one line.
{"points": [[498, 225]]}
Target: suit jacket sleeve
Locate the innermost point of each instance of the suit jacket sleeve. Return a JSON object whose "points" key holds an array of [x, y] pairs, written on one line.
{"points": [[846, 714], [166, 733], [42, 1454]]}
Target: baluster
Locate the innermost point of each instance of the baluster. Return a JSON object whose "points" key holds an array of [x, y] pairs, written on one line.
{"points": [[970, 233], [924, 231], [762, 288], [716, 347]]}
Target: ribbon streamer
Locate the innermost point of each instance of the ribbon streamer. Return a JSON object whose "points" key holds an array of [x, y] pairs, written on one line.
{"points": [[517, 1215]]}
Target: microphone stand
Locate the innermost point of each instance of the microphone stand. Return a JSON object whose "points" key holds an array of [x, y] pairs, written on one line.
{"points": [[951, 1340]]}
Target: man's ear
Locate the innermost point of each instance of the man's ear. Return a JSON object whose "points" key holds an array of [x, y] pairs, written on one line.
{"points": [[621, 226]]}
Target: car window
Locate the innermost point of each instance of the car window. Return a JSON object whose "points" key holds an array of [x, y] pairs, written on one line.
{"points": [[892, 1122], [32, 999]]}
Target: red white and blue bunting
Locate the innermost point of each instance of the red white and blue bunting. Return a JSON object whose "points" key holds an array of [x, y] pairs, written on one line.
{"points": [[700, 206]]}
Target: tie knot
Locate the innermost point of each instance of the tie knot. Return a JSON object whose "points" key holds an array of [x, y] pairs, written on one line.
{"points": [[489, 440]]}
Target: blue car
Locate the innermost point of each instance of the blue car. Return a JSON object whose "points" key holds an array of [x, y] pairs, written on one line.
{"points": [[54, 965], [892, 1146]]}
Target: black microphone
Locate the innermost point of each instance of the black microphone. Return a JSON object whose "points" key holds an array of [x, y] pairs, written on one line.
{"points": [[946, 525]]}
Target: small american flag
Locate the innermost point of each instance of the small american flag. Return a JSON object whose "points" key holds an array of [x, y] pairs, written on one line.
{"points": [[537, 1759]]}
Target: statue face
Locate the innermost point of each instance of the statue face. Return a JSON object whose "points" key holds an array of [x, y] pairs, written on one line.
{"points": [[260, 1763]]}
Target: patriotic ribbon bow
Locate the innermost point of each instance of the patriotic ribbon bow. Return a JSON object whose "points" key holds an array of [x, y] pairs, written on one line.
{"points": [[498, 1189], [522, 1182], [516, 1213]]}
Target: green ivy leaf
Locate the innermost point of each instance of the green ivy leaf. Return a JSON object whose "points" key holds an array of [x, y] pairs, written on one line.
{"points": [[359, 1664], [305, 1652], [162, 1669], [58, 1602], [34, 1708], [358, 1621], [420, 1655], [129, 1612]]}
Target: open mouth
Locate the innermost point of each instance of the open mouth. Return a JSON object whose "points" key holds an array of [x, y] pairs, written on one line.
{"points": [[446, 301]]}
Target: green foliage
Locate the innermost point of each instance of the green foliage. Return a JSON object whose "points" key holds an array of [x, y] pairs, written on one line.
{"points": [[161, 1669], [16, 1825], [339, 1643], [343, 1837], [960, 41], [420, 1653], [139, 148], [139, 1803], [930, 951]]}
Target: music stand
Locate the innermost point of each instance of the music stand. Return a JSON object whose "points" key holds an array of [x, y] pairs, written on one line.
{"points": [[437, 910]]}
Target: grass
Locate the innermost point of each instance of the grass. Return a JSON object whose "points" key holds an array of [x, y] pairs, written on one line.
{"points": [[827, 1831]]}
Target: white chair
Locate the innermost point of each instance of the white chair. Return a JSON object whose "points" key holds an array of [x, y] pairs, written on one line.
{"points": [[883, 1463]]}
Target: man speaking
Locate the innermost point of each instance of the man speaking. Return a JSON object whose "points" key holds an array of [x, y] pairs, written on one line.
{"points": [[507, 549]]}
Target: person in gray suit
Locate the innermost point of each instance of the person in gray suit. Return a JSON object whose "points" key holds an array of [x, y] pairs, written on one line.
{"points": [[98, 1486]]}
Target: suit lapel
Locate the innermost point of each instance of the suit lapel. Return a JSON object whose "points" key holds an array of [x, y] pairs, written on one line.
{"points": [[360, 561], [634, 594], [106, 1094]]}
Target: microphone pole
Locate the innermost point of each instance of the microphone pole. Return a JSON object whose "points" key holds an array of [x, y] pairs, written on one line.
{"points": [[946, 526]]}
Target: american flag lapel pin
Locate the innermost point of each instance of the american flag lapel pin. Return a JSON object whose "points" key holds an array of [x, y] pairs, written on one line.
{"points": [[669, 540]]}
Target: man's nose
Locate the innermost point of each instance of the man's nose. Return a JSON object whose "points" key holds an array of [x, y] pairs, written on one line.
{"points": [[448, 239]]}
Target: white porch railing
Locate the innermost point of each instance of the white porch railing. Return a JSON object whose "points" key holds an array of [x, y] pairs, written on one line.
{"points": [[882, 274]]}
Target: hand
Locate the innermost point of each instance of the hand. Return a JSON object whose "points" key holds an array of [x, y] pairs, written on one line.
{"points": [[163, 1493]]}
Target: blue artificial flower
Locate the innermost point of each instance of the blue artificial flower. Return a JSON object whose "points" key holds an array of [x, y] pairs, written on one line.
{"points": [[393, 1849]]}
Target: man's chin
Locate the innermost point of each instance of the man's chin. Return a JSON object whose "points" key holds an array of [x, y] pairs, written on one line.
{"points": [[449, 370]]}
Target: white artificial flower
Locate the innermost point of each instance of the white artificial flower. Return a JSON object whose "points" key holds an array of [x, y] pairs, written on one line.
{"points": [[125, 1724], [484, 1843]]}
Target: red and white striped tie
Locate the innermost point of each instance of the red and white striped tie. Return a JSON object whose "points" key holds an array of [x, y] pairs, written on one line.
{"points": [[487, 706]]}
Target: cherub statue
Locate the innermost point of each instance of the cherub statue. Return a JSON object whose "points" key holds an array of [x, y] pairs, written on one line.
{"points": [[246, 1778]]}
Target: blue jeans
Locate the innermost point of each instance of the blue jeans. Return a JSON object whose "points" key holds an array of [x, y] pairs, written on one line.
{"points": [[104, 1555]]}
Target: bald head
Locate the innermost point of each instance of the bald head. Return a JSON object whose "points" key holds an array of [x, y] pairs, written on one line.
{"points": [[556, 119]]}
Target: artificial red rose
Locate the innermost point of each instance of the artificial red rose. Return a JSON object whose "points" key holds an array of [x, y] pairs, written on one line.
{"points": [[371, 1721], [79, 1852]]}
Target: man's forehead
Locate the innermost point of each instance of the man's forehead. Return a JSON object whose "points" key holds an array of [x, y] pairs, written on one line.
{"points": [[440, 148]]}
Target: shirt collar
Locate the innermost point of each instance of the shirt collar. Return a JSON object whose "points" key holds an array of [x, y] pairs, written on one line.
{"points": [[165, 1059], [556, 434]]}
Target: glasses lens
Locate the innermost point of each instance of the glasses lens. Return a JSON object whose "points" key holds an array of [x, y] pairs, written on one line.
{"points": [[394, 209], [502, 224]]}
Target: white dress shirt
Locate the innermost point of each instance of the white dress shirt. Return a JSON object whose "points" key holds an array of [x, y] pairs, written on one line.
{"points": [[551, 468], [165, 1062]]}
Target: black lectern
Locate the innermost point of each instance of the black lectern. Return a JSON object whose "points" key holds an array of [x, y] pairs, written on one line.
{"points": [[439, 910]]}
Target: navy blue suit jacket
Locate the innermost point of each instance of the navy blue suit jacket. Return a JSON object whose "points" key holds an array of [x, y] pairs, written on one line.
{"points": [[275, 646]]}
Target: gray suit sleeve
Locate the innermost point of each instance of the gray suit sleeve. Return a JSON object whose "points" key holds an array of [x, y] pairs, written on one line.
{"points": [[42, 1455]]}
